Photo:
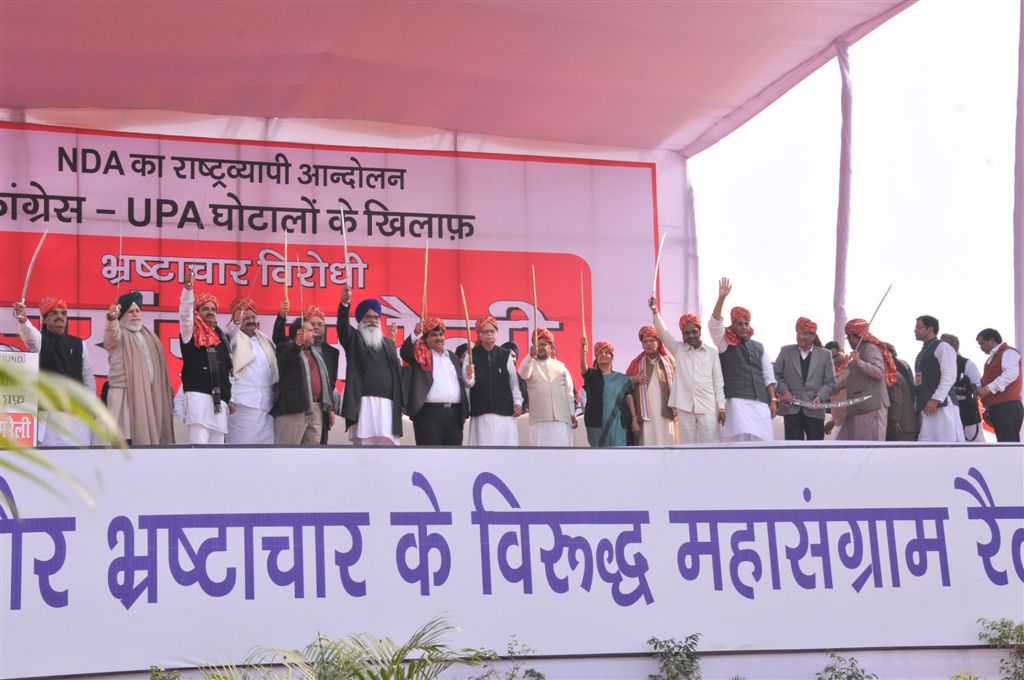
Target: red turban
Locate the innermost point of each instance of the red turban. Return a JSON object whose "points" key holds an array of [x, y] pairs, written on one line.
{"points": [[50, 303], [689, 318], [241, 304], [603, 345], [203, 298], [309, 311], [805, 325], [422, 353], [546, 335], [737, 314], [648, 331], [486, 321], [860, 327]]}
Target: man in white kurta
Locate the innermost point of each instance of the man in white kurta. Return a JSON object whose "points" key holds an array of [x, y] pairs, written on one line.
{"points": [[745, 368], [254, 362], [940, 416], [697, 395], [550, 388], [495, 399], [54, 428]]}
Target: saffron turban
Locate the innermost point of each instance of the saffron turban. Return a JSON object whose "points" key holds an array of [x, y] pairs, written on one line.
{"points": [[486, 321], [129, 299], [203, 298], [50, 303], [422, 353], [603, 345], [860, 327], [689, 317], [309, 311], [546, 335], [366, 305], [805, 325], [648, 332], [241, 304], [737, 313]]}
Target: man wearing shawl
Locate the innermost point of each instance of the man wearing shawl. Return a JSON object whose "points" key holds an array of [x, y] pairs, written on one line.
{"points": [[254, 360], [437, 403], [549, 384], [871, 372], [698, 392], [494, 396], [750, 401], [653, 372], [139, 391], [372, 403], [206, 366], [58, 353], [804, 371]]}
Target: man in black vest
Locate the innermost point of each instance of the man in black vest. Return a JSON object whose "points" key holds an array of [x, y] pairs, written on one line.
{"points": [[372, 403], [748, 374], [437, 391], [206, 366], [934, 375], [495, 398], [58, 353]]}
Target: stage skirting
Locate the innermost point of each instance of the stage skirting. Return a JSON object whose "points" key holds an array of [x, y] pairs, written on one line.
{"points": [[195, 556]]}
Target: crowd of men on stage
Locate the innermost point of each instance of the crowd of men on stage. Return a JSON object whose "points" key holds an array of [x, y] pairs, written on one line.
{"points": [[241, 386]]}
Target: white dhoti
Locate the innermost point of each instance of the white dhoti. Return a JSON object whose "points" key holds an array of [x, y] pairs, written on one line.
{"points": [[658, 430], [551, 433], [248, 425], [490, 429], [374, 425], [943, 426], [204, 425], [697, 428], [747, 420], [62, 429]]}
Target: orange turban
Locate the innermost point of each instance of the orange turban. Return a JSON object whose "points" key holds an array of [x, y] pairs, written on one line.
{"points": [[50, 303], [309, 311], [860, 327], [422, 353], [805, 325], [546, 335], [648, 331], [203, 298], [241, 304], [689, 318], [737, 314], [603, 345], [486, 321]]}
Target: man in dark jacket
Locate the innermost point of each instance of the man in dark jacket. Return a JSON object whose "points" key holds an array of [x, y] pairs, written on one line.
{"points": [[437, 403], [308, 370]]}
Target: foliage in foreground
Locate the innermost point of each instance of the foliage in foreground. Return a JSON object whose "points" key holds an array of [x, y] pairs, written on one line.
{"points": [[515, 654], [55, 393], [677, 660], [842, 668], [426, 655], [1008, 635]]}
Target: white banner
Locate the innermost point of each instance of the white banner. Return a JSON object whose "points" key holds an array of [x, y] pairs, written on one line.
{"points": [[197, 556]]}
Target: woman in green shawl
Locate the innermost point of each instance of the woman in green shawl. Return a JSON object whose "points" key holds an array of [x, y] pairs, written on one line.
{"points": [[610, 411]]}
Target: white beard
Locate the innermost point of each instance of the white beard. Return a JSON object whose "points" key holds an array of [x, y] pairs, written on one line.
{"points": [[372, 336], [135, 325]]}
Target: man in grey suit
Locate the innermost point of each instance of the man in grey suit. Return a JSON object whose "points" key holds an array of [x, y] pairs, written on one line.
{"points": [[437, 402], [804, 371]]}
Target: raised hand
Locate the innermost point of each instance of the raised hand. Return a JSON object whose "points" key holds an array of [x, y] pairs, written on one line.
{"points": [[113, 312], [724, 287]]}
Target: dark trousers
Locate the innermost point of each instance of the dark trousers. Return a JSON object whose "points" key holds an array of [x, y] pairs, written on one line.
{"points": [[436, 425], [801, 426], [1006, 419]]}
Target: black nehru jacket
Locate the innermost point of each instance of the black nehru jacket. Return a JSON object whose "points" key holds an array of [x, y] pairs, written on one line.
{"points": [[742, 373], [195, 370], [927, 366], [491, 392], [61, 354]]}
